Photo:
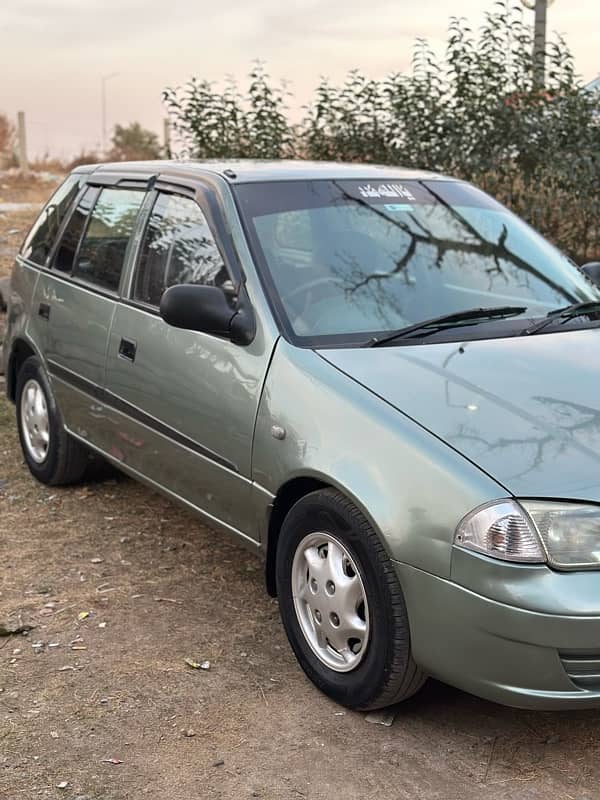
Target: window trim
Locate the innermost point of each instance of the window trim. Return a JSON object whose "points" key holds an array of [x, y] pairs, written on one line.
{"points": [[167, 188]]}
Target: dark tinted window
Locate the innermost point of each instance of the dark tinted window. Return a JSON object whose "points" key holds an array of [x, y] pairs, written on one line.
{"points": [[41, 237], [65, 255], [102, 252], [178, 248]]}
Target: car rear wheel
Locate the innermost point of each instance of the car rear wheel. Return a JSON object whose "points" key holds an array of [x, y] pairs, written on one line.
{"points": [[342, 605], [53, 457]]}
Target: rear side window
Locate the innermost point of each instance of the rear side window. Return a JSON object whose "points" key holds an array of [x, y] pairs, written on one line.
{"points": [[178, 248], [104, 246], [41, 237], [67, 249]]}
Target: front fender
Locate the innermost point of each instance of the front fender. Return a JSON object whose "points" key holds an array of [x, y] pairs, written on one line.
{"points": [[412, 487]]}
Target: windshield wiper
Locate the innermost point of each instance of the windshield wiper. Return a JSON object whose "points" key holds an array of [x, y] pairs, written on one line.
{"points": [[449, 320], [569, 312]]}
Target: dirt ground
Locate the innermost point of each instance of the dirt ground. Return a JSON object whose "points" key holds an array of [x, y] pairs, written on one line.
{"points": [[97, 701]]}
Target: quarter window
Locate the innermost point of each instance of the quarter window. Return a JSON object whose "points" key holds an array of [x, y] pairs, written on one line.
{"points": [[41, 237], [102, 252], [178, 248]]}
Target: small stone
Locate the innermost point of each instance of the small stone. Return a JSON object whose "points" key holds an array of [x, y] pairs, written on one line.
{"points": [[54, 734], [97, 560], [62, 785], [218, 763], [188, 732]]}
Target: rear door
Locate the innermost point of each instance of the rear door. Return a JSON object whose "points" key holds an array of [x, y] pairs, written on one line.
{"points": [[184, 403], [79, 299]]}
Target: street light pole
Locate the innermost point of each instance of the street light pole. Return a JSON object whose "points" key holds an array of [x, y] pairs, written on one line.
{"points": [[105, 78]]}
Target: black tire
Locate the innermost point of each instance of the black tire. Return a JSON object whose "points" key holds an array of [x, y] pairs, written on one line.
{"points": [[387, 673], [66, 459]]}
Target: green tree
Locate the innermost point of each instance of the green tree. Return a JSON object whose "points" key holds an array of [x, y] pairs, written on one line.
{"points": [[134, 143], [476, 112], [213, 123]]}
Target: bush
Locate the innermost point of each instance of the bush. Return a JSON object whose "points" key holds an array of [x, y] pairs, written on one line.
{"points": [[476, 113]]}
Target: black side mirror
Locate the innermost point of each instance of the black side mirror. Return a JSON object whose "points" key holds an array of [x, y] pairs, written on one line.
{"points": [[592, 270], [208, 310]]}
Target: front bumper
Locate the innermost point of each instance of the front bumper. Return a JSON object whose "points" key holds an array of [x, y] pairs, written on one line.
{"points": [[505, 652]]}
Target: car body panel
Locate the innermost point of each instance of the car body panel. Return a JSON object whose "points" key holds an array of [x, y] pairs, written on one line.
{"points": [[524, 409], [205, 390], [338, 432]]}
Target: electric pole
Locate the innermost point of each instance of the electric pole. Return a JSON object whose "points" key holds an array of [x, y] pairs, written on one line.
{"points": [[539, 38], [539, 42]]}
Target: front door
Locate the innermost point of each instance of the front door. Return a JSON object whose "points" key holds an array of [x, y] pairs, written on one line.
{"points": [[184, 403]]}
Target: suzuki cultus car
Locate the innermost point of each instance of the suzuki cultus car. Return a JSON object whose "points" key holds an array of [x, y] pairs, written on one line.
{"points": [[381, 380]]}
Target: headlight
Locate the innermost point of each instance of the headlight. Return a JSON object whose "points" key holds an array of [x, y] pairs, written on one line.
{"points": [[501, 530], [565, 535], [570, 532]]}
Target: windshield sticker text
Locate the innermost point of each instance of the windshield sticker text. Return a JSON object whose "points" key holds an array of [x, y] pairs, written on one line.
{"points": [[386, 190]]}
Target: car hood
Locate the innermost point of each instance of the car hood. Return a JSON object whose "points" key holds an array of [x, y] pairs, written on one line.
{"points": [[526, 410]]}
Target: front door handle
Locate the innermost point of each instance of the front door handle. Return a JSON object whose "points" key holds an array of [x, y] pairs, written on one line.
{"points": [[127, 349], [44, 310]]}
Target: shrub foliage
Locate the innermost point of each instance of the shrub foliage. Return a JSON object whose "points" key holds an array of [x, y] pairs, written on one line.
{"points": [[476, 112]]}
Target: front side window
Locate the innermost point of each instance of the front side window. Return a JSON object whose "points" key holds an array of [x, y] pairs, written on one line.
{"points": [[102, 252], [41, 237], [349, 261], [178, 247]]}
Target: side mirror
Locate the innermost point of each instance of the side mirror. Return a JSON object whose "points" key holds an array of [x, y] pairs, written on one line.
{"points": [[592, 270], [206, 309]]}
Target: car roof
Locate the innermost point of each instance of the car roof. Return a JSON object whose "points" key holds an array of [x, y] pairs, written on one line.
{"points": [[253, 171]]}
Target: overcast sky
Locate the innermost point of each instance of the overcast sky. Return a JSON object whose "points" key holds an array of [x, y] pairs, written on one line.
{"points": [[53, 53]]}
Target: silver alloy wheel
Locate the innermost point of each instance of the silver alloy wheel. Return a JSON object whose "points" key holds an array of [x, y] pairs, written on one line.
{"points": [[35, 422], [330, 601]]}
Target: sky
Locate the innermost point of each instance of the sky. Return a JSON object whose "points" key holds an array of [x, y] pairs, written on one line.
{"points": [[54, 53]]}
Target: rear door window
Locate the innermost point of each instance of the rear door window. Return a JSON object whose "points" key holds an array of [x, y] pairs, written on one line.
{"points": [[178, 247], [103, 249], [67, 249], [39, 241]]}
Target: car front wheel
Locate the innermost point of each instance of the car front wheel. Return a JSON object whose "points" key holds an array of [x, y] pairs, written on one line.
{"points": [[342, 605]]}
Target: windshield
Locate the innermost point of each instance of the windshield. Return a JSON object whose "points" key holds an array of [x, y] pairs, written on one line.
{"points": [[347, 260]]}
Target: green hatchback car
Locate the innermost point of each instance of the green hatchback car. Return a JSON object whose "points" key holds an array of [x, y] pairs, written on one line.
{"points": [[381, 380]]}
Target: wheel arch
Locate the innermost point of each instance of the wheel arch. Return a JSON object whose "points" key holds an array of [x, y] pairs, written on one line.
{"points": [[287, 496], [20, 351]]}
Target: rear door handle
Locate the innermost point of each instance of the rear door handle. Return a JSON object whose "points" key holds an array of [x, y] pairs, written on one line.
{"points": [[127, 349], [44, 311]]}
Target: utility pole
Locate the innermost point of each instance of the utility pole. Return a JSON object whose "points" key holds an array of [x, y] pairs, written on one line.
{"points": [[22, 142], [104, 79], [539, 38], [539, 42]]}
